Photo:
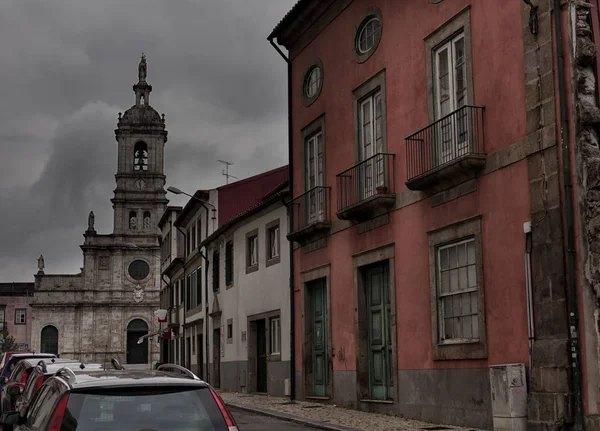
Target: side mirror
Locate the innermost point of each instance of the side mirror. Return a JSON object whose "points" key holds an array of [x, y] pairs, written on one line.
{"points": [[14, 390]]}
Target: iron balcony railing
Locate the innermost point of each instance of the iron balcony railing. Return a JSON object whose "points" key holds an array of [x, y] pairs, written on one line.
{"points": [[370, 177], [310, 207], [450, 138]]}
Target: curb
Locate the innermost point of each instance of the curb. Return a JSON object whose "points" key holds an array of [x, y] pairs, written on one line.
{"points": [[291, 418]]}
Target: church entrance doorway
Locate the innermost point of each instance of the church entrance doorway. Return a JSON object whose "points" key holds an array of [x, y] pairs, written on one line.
{"points": [[49, 340], [137, 353]]}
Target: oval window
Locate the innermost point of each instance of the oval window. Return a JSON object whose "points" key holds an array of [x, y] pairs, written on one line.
{"points": [[313, 82], [139, 269], [368, 34]]}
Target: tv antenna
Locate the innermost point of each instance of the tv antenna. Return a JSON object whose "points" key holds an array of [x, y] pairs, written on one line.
{"points": [[225, 171]]}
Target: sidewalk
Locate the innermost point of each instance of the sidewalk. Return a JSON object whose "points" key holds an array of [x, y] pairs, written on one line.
{"points": [[325, 416]]}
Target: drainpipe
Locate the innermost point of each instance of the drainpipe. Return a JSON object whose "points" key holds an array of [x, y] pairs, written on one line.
{"points": [[206, 346], [568, 214], [529, 292], [168, 319], [183, 358], [290, 223]]}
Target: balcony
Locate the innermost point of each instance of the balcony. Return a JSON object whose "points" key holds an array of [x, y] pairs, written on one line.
{"points": [[446, 153], [311, 218], [173, 317], [367, 189]]}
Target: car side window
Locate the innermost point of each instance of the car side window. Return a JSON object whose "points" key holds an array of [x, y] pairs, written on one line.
{"points": [[42, 416]]}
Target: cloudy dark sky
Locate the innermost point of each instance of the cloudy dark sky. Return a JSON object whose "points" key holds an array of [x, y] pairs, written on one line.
{"points": [[67, 68]]}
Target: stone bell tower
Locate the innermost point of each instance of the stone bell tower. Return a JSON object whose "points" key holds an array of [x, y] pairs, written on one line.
{"points": [[140, 197]]}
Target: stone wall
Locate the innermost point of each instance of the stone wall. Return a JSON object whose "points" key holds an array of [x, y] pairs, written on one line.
{"points": [[587, 152], [549, 384]]}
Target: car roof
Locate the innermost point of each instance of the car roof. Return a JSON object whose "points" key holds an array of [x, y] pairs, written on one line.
{"points": [[32, 355], [126, 378]]}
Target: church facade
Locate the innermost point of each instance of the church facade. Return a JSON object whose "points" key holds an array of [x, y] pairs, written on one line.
{"points": [[106, 309]]}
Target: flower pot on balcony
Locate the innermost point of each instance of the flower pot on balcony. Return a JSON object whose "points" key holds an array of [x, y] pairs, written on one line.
{"points": [[381, 190]]}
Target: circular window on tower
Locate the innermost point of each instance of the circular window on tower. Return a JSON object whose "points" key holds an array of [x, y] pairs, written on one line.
{"points": [[312, 83], [139, 269], [368, 35]]}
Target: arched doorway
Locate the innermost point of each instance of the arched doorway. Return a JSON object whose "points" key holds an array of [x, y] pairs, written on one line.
{"points": [[49, 340], [137, 353]]}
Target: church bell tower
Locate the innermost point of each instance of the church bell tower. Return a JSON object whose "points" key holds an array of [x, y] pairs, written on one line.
{"points": [[140, 198]]}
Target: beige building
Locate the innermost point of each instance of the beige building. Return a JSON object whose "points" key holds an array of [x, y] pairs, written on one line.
{"points": [[106, 308]]}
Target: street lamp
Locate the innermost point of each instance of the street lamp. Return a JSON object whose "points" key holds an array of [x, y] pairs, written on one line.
{"points": [[177, 191]]}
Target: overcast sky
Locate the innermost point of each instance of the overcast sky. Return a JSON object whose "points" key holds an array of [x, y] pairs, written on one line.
{"points": [[67, 68]]}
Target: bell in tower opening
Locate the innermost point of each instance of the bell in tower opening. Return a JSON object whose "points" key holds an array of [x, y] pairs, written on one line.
{"points": [[140, 154]]}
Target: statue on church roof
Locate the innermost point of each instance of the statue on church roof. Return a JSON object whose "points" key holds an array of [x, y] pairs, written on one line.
{"points": [[41, 264], [143, 69], [91, 219]]}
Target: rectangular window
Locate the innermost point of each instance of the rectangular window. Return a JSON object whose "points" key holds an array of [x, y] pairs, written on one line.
{"points": [[171, 296], [229, 263], [199, 231], [215, 271], [193, 345], [230, 331], [450, 95], [193, 238], [371, 173], [253, 250], [188, 290], [2, 313], [20, 316], [187, 243], [275, 329], [194, 290], [274, 242], [457, 292], [199, 287], [314, 175]]}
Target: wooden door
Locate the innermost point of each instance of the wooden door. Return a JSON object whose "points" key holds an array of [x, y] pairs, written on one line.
{"points": [[261, 356], [319, 341]]}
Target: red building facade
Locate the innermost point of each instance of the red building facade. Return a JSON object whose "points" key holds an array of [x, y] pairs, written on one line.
{"points": [[432, 246]]}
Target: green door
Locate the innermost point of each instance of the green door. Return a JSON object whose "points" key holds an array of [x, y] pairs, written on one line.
{"points": [[319, 338], [379, 330]]}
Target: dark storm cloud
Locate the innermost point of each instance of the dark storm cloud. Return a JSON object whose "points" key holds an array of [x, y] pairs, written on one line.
{"points": [[67, 70]]}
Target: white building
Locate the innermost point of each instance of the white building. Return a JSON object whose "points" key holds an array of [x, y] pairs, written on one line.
{"points": [[196, 221], [249, 299]]}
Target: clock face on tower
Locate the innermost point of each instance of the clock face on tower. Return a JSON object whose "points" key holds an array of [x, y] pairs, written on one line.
{"points": [[140, 184]]}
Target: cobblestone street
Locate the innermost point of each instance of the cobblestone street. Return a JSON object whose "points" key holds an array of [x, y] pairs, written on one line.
{"points": [[324, 416]]}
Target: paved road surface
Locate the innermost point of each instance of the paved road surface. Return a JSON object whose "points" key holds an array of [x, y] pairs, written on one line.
{"points": [[252, 422]]}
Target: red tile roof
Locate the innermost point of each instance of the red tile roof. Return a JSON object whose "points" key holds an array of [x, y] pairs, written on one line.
{"points": [[236, 198]]}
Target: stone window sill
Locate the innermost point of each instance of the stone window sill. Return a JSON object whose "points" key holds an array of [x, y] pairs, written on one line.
{"points": [[251, 269], [460, 351], [273, 261]]}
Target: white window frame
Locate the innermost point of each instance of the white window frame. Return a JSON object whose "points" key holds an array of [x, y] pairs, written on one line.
{"points": [[452, 144], [315, 203], [371, 143], [253, 250], [274, 242], [275, 335], [20, 312], [441, 296]]}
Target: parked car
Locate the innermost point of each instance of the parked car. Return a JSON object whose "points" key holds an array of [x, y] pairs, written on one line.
{"points": [[169, 398], [43, 371], [14, 360], [7, 355]]}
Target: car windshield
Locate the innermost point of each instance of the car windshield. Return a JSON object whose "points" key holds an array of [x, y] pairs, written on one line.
{"points": [[164, 409]]}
